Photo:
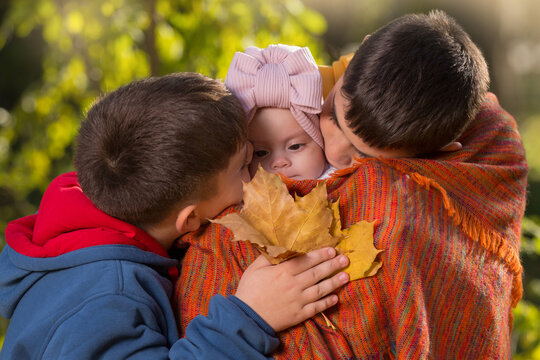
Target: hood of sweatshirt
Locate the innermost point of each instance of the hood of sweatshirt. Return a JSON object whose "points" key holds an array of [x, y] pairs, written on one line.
{"points": [[68, 230]]}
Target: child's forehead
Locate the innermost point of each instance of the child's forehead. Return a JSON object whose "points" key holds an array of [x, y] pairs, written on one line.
{"points": [[274, 118], [275, 126], [265, 112]]}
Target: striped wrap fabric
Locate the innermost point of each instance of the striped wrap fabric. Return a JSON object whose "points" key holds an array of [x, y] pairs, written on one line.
{"points": [[450, 229]]}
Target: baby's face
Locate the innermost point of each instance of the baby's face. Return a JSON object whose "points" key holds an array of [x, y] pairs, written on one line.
{"points": [[280, 145]]}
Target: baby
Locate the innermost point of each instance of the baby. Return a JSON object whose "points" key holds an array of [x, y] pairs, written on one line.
{"points": [[280, 89]]}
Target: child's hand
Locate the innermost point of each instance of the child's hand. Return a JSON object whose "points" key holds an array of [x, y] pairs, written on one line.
{"points": [[289, 293]]}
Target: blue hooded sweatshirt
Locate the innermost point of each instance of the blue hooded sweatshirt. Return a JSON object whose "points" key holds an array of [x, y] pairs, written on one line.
{"points": [[79, 284]]}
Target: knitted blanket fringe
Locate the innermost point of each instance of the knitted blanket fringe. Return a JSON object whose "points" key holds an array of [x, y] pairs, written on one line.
{"points": [[471, 226]]}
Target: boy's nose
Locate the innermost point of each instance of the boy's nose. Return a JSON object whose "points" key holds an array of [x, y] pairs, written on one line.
{"points": [[280, 162]]}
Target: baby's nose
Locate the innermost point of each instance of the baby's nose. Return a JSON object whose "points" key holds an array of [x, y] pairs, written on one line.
{"points": [[280, 162]]}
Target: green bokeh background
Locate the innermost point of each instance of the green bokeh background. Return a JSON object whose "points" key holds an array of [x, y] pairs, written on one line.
{"points": [[57, 56]]}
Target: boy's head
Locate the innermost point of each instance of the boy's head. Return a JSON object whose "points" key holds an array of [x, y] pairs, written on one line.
{"points": [[280, 90], [411, 88], [160, 145]]}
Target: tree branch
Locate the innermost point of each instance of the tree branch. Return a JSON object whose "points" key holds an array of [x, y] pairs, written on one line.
{"points": [[150, 39]]}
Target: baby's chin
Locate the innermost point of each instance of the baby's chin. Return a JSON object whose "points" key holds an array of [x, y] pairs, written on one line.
{"points": [[298, 177]]}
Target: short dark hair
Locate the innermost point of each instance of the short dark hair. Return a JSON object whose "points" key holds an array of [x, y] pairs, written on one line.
{"points": [[154, 144], [415, 84]]}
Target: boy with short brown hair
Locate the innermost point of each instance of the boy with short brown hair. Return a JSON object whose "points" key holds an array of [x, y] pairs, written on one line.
{"points": [[410, 90], [415, 84]]}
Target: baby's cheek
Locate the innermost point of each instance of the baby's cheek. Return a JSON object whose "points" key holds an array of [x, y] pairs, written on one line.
{"points": [[319, 163]]}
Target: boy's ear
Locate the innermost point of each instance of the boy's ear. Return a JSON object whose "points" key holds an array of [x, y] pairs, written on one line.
{"points": [[453, 146], [187, 219]]}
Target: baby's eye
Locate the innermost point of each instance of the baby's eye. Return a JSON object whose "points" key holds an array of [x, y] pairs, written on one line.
{"points": [[294, 147], [260, 153]]}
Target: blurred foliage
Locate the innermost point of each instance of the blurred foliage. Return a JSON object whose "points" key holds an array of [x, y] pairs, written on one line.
{"points": [[72, 51], [93, 47], [529, 131], [526, 333]]}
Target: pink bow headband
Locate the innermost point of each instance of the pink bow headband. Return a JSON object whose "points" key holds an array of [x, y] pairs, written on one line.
{"points": [[279, 76]]}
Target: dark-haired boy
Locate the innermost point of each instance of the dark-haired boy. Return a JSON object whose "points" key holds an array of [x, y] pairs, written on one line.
{"points": [[449, 222], [89, 276], [410, 90]]}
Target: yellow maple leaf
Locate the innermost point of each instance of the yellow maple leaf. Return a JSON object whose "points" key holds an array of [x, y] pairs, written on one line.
{"points": [[279, 225], [335, 227], [283, 227], [357, 244]]}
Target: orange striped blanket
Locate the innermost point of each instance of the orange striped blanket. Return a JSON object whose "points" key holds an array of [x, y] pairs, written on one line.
{"points": [[450, 228]]}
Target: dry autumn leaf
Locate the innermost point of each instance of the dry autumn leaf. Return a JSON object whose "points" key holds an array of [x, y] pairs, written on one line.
{"points": [[283, 227], [357, 244]]}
